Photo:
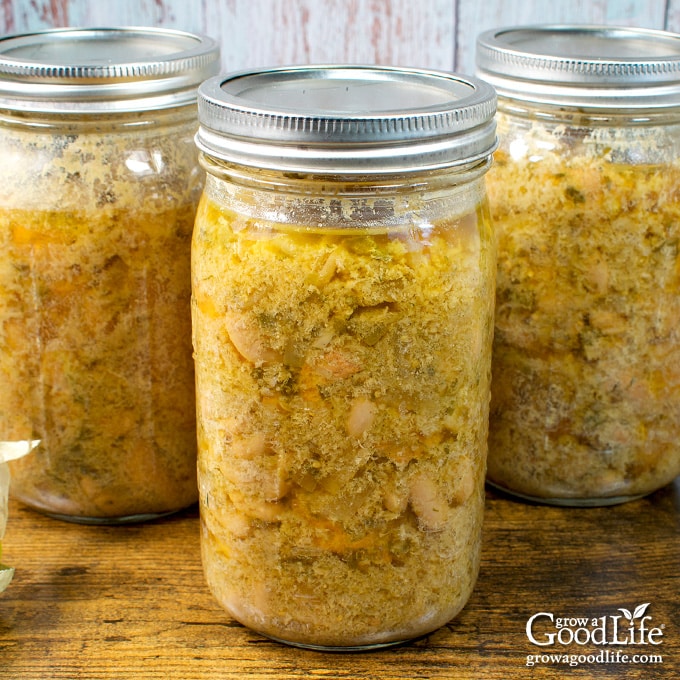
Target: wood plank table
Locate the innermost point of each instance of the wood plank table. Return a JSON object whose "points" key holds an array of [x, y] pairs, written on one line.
{"points": [[129, 602]]}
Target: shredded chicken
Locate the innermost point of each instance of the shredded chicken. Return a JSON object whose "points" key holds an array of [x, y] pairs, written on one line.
{"points": [[586, 364], [356, 520]]}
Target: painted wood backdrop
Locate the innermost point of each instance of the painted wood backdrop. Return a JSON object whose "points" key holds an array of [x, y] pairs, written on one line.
{"points": [[425, 33]]}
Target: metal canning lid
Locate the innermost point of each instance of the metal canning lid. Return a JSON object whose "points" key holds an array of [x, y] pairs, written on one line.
{"points": [[94, 70], [585, 66], [340, 119]]}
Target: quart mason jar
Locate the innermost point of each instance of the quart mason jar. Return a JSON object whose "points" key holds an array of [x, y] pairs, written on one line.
{"points": [[99, 183], [585, 197], [342, 276]]}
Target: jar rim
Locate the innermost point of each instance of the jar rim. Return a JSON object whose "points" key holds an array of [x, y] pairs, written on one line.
{"points": [[592, 66], [346, 118], [103, 69]]}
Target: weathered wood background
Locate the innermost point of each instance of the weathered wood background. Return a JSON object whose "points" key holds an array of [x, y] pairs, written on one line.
{"points": [[425, 33]]}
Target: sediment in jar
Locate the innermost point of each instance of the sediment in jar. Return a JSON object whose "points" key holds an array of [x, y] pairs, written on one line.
{"points": [[586, 362], [95, 337], [342, 386]]}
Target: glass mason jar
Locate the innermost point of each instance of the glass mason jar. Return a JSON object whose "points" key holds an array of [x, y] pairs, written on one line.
{"points": [[99, 183], [343, 273], [584, 195]]}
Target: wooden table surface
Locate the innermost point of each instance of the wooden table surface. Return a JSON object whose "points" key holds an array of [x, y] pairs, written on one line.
{"points": [[130, 602]]}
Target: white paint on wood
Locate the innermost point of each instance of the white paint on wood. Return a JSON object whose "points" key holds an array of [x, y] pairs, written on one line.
{"points": [[437, 34], [673, 16], [187, 16], [275, 32]]}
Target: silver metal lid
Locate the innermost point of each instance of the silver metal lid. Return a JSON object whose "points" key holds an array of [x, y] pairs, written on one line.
{"points": [[346, 119], [586, 66], [89, 70]]}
